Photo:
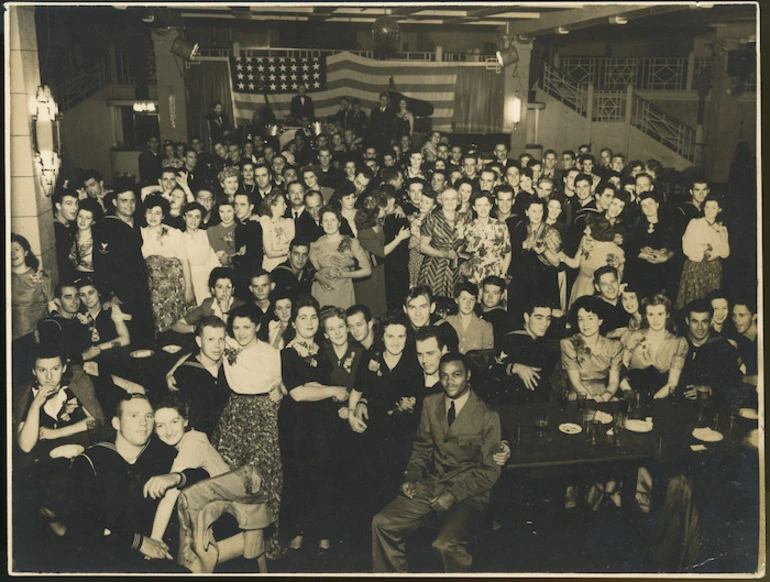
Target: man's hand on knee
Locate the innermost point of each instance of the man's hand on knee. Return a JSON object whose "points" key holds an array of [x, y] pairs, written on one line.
{"points": [[442, 502]]}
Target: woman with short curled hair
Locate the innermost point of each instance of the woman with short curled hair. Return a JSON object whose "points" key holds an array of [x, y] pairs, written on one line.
{"points": [[338, 259], [597, 248], [277, 231]]}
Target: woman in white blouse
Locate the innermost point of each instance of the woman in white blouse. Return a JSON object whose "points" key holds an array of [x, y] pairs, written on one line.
{"points": [[704, 243], [277, 231], [247, 431], [199, 252], [168, 269]]}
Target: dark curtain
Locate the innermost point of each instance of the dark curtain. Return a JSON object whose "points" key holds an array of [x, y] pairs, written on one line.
{"points": [[207, 82], [478, 101]]}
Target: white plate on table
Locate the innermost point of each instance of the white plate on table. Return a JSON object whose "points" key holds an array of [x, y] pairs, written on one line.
{"points": [[637, 425], [570, 428], [141, 353], [707, 435], [748, 413], [171, 348], [67, 451]]}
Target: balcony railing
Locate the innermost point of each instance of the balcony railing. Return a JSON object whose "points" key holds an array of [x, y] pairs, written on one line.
{"points": [[431, 56], [609, 106], [645, 74]]}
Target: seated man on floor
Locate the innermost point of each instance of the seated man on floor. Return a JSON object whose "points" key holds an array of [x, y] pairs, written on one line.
{"points": [[449, 475], [113, 492]]}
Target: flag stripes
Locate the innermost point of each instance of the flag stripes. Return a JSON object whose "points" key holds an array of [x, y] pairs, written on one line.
{"points": [[352, 76]]}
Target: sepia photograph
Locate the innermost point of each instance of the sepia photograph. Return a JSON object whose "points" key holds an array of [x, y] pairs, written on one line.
{"points": [[369, 289]]}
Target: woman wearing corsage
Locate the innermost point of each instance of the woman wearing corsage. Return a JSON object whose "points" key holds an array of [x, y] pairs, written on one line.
{"points": [[247, 431], [308, 421]]}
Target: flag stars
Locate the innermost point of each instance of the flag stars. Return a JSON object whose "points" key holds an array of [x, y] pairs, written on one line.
{"points": [[250, 67], [251, 86], [241, 86]]}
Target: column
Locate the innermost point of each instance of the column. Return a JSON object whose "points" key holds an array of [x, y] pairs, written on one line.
{"points": [[517, 86], [31, 209], [172, 94]]}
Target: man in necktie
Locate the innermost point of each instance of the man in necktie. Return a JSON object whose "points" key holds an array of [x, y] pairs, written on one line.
{"points": [[448, 477], [382, 124], [302, 109]]}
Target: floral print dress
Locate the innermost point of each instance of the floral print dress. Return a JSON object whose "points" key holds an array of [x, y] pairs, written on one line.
{"points": [[487, 243], [595, 254], [164, 252]]}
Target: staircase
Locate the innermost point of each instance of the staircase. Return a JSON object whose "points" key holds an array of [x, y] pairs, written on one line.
{"points": [[74, 85], [620, 114]]}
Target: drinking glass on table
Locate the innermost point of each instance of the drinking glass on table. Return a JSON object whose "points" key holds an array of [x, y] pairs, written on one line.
{"points": [[541, 422]]}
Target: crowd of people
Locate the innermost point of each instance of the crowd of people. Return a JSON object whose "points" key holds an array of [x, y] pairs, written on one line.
{"points": [[340, 293]]}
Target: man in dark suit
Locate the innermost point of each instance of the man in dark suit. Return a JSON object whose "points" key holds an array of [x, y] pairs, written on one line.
{"points": [[302, 110], [449, 475], [382, 124], [220, 127], [149, 162]]}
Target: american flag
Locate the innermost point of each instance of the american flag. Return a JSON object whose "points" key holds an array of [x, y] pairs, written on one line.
{"points": [[277, 74], [344, 74]]}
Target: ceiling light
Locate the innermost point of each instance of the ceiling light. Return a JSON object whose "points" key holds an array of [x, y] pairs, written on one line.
{"points": [[562, 30], [618, 20], [185, 49]]}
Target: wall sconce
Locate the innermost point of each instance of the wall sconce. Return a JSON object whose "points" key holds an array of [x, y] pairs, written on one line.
{"points": [[516, 109], [45, 136], [562, 30], [618, 20], [185, 49], [513, 106]]}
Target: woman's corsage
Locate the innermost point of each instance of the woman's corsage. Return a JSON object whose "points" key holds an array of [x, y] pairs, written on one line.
{"points": [[231, 353], [347, 365], [306, 350], [643, 348], [374, 366], [588, 246], [346, 244], [582, 351], [65, 414], [37, 276], [614, 260], [229, 238]]}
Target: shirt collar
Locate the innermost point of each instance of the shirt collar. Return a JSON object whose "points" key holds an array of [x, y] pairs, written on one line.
{"points": [[459, 402]]}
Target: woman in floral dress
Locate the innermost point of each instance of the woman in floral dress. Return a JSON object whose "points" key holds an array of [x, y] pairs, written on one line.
{"points": [[591, 361], [596, 250], [247, 431], [705, 244], [338, 259], [168, 269], [309, 419], [442, 233], [277, 231], [487, 243]]}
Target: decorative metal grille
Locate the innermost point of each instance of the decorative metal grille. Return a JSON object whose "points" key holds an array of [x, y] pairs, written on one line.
{"points": [[666, 74], [616, 74], [668, 130], [559, 87], [609, 106]]}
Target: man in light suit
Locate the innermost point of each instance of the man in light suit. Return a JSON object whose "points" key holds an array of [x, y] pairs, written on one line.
{"points": [[449, 475]]}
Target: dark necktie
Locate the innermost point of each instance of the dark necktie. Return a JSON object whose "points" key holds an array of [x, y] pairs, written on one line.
{"points": [[295, 216], [450, 417]]}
